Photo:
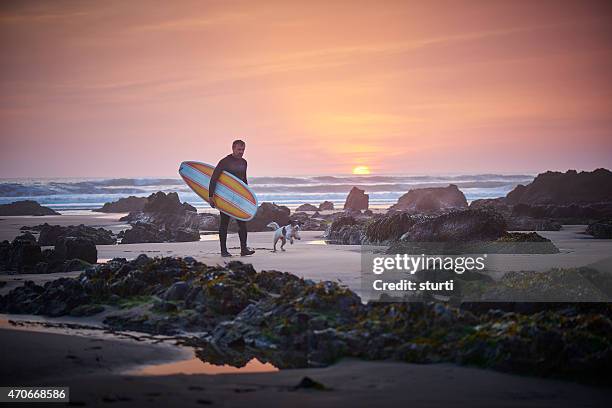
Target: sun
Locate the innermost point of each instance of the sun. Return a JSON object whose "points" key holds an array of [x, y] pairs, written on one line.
{"points": [[361, 170]]}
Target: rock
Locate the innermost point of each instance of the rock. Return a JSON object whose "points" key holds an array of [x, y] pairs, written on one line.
{"points": [[25, 207], [161, 202], [126, 204], [532, 224], [345, 230], [49, 234], [567, 214], [20, 256], [165, 219], [356, 200], [309, 383], [460, 226], [428, 200], [75, 265], [267, 213], [177, 291], [601, 229], [389, 227], [306, 207], [86, 310], [144, 232], [566, 188], [77, 248], [326, 206]]}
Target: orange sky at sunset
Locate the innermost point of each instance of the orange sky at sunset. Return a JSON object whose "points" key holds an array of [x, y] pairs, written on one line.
{"points": [[132, 88]]}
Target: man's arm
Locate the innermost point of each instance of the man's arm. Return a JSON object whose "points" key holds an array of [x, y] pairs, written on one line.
{"points": [[245, 171], [213, 179]]}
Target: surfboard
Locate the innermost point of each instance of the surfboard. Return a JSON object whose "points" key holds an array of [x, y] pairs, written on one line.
{"points": [[232, 196]]}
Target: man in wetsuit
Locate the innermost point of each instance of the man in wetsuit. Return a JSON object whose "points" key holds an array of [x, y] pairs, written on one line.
{"points": [[236, 165]]}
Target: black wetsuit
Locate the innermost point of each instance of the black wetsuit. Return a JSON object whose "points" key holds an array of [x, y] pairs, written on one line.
{"points": [[237, 167]]}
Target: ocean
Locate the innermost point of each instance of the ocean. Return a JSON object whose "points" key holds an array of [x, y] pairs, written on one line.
{"points": [[70, 195]]}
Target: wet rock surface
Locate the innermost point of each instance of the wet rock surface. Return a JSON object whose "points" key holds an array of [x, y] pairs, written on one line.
{"points": [[126, 204], [555, 198], [233, 313], [307, 207], [459, 226], [165, 219], [357, 200], [600, 229], [24, 255], [428, 200], [25, 207], [266, 213], [49, 234]]}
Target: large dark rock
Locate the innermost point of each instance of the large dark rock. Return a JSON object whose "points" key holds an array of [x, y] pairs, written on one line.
{"points": [[126, 204], [146, 232], [357, 200], [77, 248], [389, 227], [566, 188], [434, 199], [49, 234], [26, 207], [161, 202], [306, 207], [460, 226], [165, 219], [266, 213], [326, 206], [345, 230], [20, 256], [600, 229]]}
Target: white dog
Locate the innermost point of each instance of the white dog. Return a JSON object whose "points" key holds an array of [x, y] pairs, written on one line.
{"points": [[288, 232]]}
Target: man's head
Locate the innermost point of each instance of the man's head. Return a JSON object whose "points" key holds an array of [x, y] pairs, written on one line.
{"points": [[238, 148]]}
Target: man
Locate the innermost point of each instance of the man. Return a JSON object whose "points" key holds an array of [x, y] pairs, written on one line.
{"points": [[236, 165]]}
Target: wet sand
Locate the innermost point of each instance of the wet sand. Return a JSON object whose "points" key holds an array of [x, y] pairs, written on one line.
{"points": [[94, 369]]}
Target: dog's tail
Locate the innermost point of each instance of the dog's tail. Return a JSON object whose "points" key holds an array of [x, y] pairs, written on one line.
{"points": [[273, 225]]}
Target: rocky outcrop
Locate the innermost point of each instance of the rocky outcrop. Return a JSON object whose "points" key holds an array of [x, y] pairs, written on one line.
{"points": [[267, 213], [600, 229], [49, 234], [431, 200], [26, 207], [459, 226], [161, 202], [144, 232], [165, 219], [306, 207], [326, 206], [345, 230], [21, 255], [231, 314], [566, 188], [77, 248], [126, 204], [357, 200], [24, 255], [389, 228]]}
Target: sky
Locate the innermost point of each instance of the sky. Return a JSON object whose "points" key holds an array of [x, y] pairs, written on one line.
{"points": [[132, 88]]}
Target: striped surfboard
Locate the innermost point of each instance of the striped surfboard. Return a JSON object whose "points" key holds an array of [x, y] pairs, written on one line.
{"points": [[232, 196]]}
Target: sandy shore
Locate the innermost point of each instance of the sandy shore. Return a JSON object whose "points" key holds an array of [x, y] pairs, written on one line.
{"points": [[92, 368]]}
